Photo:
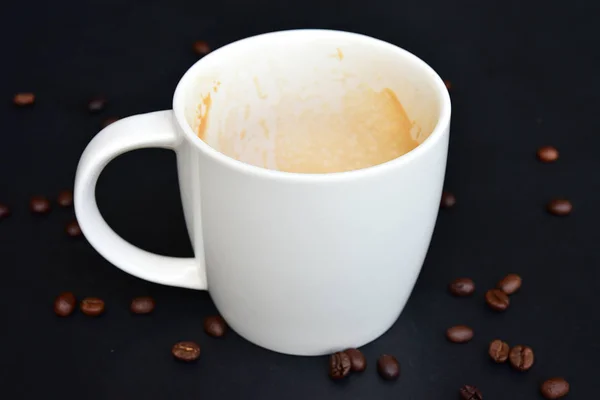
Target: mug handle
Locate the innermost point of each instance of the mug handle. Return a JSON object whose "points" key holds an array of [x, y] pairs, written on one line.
{"points": [[156, 129]]}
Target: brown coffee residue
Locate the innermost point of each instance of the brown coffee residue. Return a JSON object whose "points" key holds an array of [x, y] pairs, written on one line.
{"points": [[339, 54], [371, 128], [364, 128], [263, 125], [207, 103], [259, 92]]}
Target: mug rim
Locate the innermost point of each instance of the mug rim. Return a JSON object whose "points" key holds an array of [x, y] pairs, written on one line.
{"points": [[239, 166]]}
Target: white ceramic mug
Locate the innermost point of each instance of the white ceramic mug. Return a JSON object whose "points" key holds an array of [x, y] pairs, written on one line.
{"points": [[302, 264]]}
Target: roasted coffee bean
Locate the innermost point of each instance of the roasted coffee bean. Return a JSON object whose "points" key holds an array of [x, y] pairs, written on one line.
{"points": [[39, 205], [142, 305], [510, 283], [339, 365], [4, 211], [64, 304], [201, 47], [186, 351], [96, 104], [560, 207], [448, 84], [73, 229], [109, 121], [215, 326], [92, 306], [24, 99], [462, 287], [459, 334], [497, 300], [448, 200], [357, 360], [388, 367], [547, 154], [555, 388], [521, 357], [498, 351], [469, 392], [65, 198]]}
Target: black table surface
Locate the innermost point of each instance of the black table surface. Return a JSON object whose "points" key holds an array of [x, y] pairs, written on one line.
{"points": [[523, 73]]}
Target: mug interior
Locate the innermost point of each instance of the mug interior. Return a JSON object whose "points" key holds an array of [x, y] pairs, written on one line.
{"points": [[237, 98]]}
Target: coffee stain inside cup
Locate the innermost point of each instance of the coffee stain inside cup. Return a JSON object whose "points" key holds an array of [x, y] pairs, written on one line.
{"points": [[363, 128], [339, 54], [371, 128], [204, 111]]}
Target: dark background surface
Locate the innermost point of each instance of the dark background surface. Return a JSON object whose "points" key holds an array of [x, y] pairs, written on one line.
{"points": [[524, 74]]}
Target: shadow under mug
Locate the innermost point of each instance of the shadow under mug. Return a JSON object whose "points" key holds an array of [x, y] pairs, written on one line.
{"points": [[303, 264]]}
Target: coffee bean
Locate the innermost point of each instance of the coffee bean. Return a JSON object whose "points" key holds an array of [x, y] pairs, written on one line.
{"points": [[357, 360], [339, 365], [64, 304], [462, 287], [448, 84], [555, 388], [215, 326], [521, 357], [92, 306], [448, 200], [142, 305], [96, 104], [4, 211], [65, 198], [497, 300], [459, 334], [201, 47], [186, 351], [388, 367], [24, 99], [39, 205], [498, 351], [469, 392], [547, 154], [559, 207], [510, 283], [73, 229]]}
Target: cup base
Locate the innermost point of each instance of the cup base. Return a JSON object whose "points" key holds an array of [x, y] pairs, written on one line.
{"points": [[287, 347]]}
